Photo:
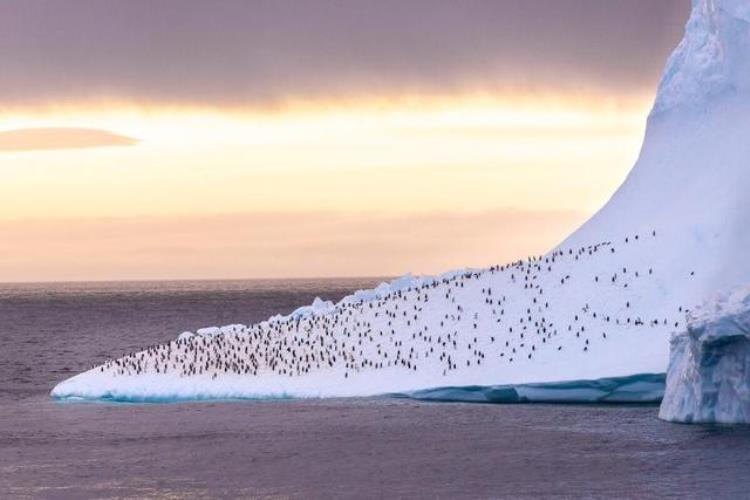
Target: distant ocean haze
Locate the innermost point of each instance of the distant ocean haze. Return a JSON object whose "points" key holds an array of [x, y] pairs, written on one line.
{"points": [[285, 245]]}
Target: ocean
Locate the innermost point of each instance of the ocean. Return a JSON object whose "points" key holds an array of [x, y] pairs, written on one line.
{"points": [[339, 448]]}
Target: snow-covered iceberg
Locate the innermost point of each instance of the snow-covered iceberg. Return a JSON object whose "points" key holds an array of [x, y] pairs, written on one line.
{"points": [[709, 372], [599, 307]]}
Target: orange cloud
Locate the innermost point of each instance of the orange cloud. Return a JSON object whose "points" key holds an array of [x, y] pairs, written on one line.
{"points": [[35, 139], [273, 245]]}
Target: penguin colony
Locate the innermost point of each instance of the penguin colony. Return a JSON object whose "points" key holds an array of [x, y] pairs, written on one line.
{"points": [[431, 325]]}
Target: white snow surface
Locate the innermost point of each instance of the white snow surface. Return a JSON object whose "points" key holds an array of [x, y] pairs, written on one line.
{"points": [[709, 372], [601, 305]]}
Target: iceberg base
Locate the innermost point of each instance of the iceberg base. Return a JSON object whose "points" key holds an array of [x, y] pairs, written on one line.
{"points": [[640, 388]]}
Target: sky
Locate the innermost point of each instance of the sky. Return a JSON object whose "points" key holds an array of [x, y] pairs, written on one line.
{"points": [[186, 139]]}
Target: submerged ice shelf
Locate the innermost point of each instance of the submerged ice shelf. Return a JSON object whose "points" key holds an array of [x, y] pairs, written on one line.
{"points": [[640, 388], [599, 307]]}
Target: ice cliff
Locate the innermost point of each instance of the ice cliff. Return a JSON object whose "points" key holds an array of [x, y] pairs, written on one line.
{"points": [[709, 371]]}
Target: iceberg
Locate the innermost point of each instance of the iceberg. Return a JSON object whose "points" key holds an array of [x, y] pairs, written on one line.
{"points": [[569, 325], [709, 372]]}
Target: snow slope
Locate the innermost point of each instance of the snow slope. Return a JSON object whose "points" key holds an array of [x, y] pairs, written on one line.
{"points": [[599, 307], [709, 371]]}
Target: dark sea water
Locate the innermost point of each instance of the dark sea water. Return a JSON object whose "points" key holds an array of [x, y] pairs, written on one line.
{"points": [[343, 448]]}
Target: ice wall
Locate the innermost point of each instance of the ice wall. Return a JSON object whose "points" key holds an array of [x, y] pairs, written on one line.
{"points": [[711, 59], [709, 371]]}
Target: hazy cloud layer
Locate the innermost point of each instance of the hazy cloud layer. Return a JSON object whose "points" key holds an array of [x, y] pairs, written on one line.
{"points": [[251, 53], [35, 139], [273, 245]]}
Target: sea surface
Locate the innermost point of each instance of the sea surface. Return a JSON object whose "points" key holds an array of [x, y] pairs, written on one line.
{"points": [[339, 448]]}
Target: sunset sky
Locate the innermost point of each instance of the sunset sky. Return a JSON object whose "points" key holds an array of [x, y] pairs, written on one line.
{"points": [[247, 139]]}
